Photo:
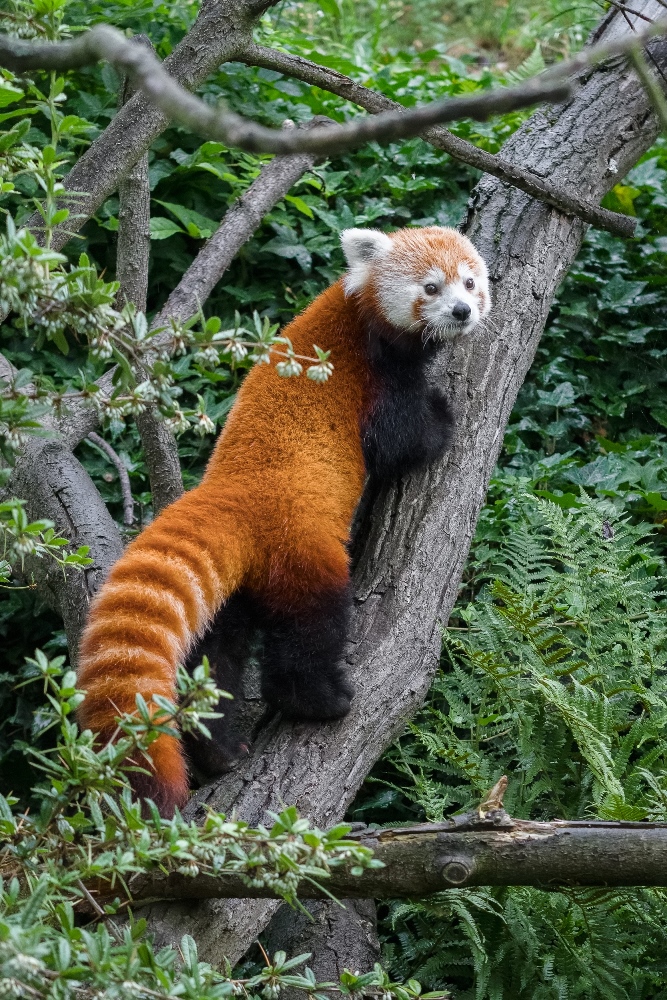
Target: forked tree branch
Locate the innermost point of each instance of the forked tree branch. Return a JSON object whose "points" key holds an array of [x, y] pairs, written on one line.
{"points": [[374, 102]]}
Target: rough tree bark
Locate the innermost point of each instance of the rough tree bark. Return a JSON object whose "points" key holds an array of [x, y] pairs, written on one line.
{"points": [[64, 492], [473, 849], [415, 542], [132, 260], [337, 937]]}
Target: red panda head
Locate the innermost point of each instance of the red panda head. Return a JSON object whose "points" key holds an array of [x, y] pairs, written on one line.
{"points": [[429, 281]]}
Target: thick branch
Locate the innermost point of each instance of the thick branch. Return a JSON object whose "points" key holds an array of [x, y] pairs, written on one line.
{"points": [[414, 546], [495, 850], [337, 937], [373, 101], [55, 485], [133, 255]]}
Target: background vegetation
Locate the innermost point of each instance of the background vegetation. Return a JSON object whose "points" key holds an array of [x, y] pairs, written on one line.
{"points": [[567, 564]]}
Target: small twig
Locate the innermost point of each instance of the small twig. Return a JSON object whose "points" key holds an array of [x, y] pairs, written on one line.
{"points": [[629, 10], [123, 475], [90, 899]]}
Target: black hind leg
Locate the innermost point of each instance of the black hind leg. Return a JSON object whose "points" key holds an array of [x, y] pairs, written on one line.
{"points": [[226, 644], [302, 673]]}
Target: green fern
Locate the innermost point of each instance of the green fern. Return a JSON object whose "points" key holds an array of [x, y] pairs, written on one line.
{"points": [[555, 675], [531, 66]]}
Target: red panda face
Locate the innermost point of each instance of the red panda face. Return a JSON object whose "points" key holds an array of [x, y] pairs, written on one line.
{"points": [[429, 281]]}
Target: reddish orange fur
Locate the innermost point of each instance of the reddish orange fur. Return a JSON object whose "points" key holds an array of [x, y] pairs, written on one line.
{"points": [[272, 514]]}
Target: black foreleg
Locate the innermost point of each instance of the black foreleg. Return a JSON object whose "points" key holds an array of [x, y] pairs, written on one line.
{"points": [[302, 673]]}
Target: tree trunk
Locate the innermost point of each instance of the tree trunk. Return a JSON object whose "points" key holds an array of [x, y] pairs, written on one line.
{"points": [[338, 936], [416, 537]]}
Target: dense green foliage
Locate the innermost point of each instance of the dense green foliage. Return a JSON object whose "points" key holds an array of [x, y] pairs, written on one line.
{"points": [[553, 675], [553, 664], [86, 833]]}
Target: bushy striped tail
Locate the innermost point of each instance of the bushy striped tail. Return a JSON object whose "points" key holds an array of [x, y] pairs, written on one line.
{"points": [[159, 596]]}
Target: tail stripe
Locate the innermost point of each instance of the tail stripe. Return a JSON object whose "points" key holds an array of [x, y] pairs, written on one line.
{"points": [[145, 599], [123, 661], [125, 631], [162, 578], [186, 551], [204, 591]]}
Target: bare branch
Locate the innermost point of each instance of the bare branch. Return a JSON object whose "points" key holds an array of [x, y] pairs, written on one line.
{"points": [[239, 223], [123, 476], [105, 42], [373, 101], [133, 254], [473, 849]]}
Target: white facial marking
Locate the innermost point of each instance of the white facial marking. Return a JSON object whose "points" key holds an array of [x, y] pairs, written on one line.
{"points": [[457, 308], [414, 298]]}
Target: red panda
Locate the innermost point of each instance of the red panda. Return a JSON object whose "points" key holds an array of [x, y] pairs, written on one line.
{"points": [[263, 539]]}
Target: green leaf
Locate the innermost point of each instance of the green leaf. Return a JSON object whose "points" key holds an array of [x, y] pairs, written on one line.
{"points": [[196, 225], [162, 229], [9, 94], [300, 205]]}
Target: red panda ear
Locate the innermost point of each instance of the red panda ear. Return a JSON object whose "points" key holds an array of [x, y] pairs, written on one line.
{"points": [[362, 249]]}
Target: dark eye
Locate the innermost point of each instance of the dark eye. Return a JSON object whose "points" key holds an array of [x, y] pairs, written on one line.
{"points": [[470, 283], [431, 289]]}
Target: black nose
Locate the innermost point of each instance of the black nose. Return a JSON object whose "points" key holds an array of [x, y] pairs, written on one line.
{"points": [[461, 311]]}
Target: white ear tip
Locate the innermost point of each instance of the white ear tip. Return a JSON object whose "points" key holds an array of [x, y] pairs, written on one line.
{"points": [[364, 245]]}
